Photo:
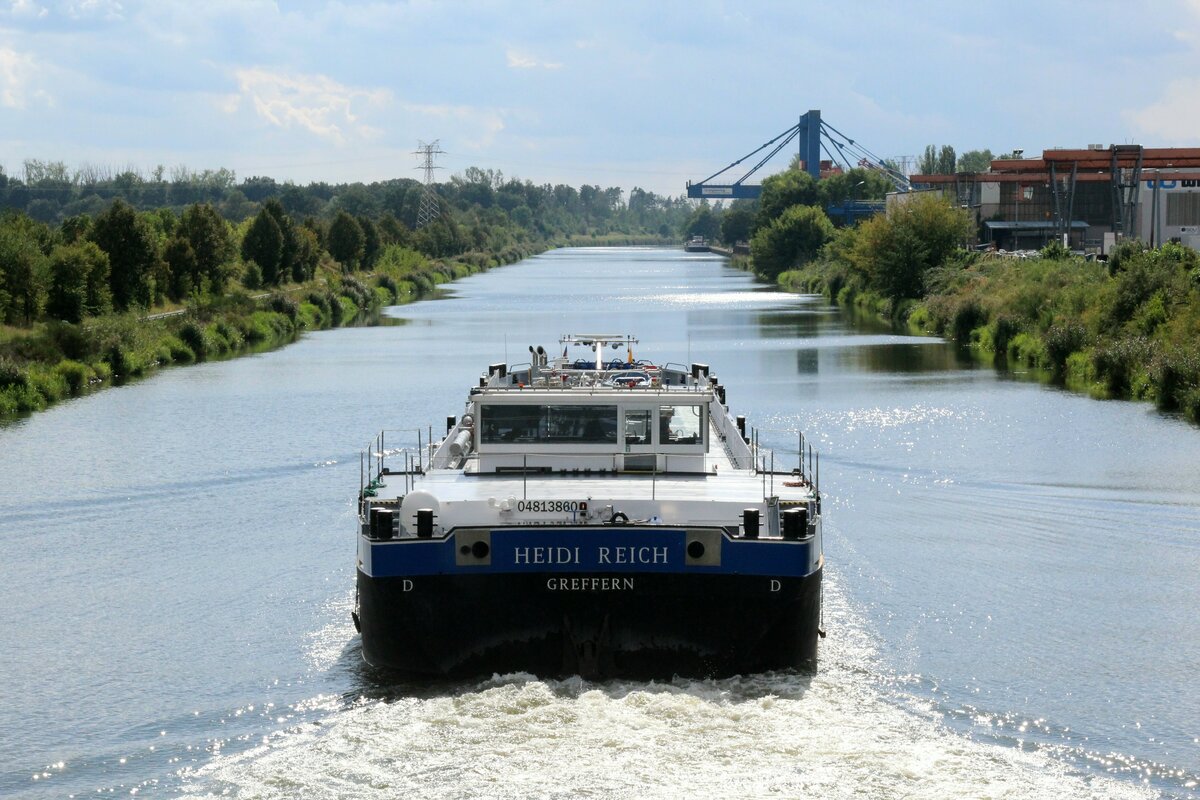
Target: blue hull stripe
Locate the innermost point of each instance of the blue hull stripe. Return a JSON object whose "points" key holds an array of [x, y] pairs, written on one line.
{"points": [[591, 550]]}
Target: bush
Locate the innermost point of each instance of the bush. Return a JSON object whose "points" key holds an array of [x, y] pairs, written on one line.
{"points": [[49, 382], [1061, 341], [321, 301], [350, 311], [284, 305], [252, 278], [356, 291], [20, 400], [69, 339], [337, 311], [77, 375], [790, 240], [1174, 373], [229, 334], [1189, 403], [1029, 349], [192, 336], [389, 283], [310, 317], [968, 316], [117, 359], [11, 374], [1054, 251], [180, 352], [1003, 329], [1116, 363], [1125, 252]]}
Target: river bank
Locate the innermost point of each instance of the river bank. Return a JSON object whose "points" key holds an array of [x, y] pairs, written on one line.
{"points": [[56, 361], [1126, 329]]}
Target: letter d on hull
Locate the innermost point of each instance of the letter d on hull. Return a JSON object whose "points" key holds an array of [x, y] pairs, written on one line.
{"points": [[408, 585], [775, 585]]}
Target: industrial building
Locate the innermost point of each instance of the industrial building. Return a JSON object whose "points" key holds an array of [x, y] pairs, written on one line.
{"points": [[1088, 199]]}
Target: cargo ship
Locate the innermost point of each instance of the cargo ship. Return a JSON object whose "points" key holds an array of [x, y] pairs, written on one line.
{"points": [[590, 513]]}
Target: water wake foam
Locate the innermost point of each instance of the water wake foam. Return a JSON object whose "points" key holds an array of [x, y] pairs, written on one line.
{"points": [[837, 734]]}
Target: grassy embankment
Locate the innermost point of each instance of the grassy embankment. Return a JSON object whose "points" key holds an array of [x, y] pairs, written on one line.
{"points": [[53, 361], [1128, 328]]}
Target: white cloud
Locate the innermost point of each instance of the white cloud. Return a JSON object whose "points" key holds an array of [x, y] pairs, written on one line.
{"points": [[27, 9], [92, 9], [315, 103], [17, 71], [1175, 117], [518, 59]]}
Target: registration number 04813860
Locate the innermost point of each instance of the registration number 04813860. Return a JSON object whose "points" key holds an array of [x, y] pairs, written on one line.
{"points": [[552, 506]]}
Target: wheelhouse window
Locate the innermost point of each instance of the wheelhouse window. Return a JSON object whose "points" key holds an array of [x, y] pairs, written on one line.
{"points": [[638, 426], [556, 424], [680, 424]]}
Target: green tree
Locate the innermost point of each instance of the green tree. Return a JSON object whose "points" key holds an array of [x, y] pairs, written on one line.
{"points": [[307, 256], [263, 244], [782, 191], [975, 161], [132, 254], [393, 231], [792, 239], [946, 160], [67, 296], [74, 228], [371, 242], [894, 251], [937, 162], [98, 295], [347, 242], [702, 222], [736, 224], [211, 243], [185, 276], [291, 239], [855, 184], [23, 270]]}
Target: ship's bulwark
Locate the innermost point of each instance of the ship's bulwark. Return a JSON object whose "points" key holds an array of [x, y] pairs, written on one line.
{"points": [[602, 625]]}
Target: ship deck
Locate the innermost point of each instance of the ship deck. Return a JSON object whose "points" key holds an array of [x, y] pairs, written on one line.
{"points": [[725, 485]]}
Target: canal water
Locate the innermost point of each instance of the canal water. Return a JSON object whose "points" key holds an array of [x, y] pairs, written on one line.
{"points": [[1010, 592]]}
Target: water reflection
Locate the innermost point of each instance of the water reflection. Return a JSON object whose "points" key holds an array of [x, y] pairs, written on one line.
{"points": [[930, 355]]}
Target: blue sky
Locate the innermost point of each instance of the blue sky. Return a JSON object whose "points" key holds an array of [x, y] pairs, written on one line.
{"points": [[615, 93]]}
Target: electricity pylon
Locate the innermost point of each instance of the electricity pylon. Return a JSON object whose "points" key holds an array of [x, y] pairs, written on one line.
{"points": [[428, 210]]}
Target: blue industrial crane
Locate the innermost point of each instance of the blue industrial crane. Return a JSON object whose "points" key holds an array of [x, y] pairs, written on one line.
{"points": [[815, 136]]}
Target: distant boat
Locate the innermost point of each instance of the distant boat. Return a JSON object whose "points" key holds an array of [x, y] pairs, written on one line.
{"points": [[696, 244]]}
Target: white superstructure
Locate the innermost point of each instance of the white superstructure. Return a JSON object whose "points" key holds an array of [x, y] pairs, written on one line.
{"points": [[568, 440]]}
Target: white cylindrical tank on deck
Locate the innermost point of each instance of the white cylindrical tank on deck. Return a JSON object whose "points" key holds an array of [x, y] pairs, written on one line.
{"points": [[461, 445]]}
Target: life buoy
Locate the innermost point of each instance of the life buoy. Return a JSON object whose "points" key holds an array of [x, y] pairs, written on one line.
{"points": [[619, 518]]}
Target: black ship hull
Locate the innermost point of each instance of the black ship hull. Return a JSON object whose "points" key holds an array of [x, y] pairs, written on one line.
{"points": [[601, 625]]}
